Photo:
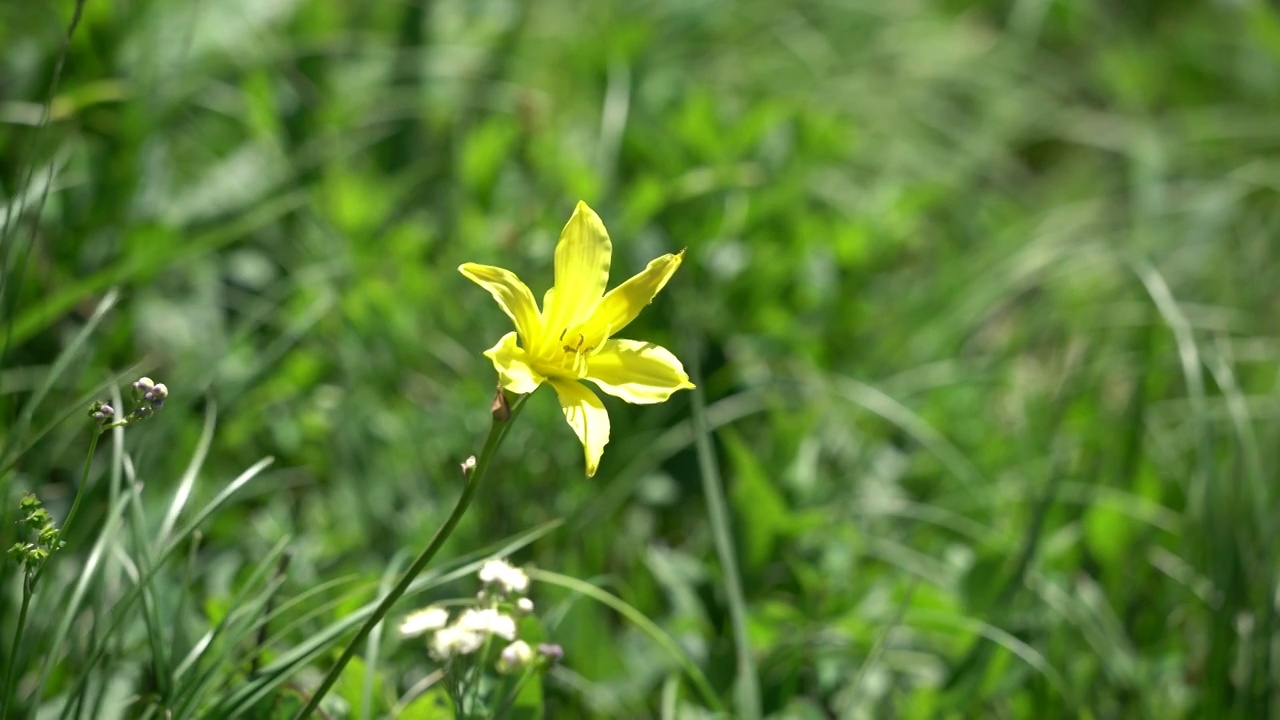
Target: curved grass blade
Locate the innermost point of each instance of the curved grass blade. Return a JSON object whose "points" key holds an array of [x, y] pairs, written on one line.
{"points": [[277, 673], [650, 628]]}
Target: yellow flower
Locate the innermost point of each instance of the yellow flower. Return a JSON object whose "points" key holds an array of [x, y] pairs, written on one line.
{"points": [[571, 338]]}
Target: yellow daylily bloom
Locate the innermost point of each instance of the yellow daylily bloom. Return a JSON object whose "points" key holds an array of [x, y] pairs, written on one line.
{"points": [[571, 338]]}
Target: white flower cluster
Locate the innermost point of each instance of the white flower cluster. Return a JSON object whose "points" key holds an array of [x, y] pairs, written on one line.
{"points": [[473, 627], [507, 578], [428, 619], [468, 633], [465, 635]]}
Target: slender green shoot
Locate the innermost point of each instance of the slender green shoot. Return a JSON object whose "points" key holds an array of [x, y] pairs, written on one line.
{"points": [[748, 684], [497, 431]]}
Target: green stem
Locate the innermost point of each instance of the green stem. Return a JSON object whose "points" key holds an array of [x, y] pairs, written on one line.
{"points": [[75, 507], [27, 592], [511, 696], [748, 689], [31, 577], [497, 431], [473, 678]]}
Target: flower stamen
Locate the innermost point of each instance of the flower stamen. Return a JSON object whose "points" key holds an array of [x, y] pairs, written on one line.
{"points": [[575, 348]]}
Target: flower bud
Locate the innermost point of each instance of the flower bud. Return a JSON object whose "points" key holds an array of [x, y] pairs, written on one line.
{"points": [[553, 653], [156, 394], [515, 657], [501, 407], [102, 412]]}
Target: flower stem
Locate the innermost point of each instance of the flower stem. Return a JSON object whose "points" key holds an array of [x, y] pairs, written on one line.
{"points": [[514, 693], [497, 431], [32, 574], [75, 507], [473, 678], [27, 592]]}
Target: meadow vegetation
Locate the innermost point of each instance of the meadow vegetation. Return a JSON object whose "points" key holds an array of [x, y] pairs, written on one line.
{"points": [[980, 299]]}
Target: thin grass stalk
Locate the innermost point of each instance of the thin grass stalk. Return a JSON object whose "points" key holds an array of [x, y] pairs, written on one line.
{"points": [[97, 651], [27, 592], [647, 626], [32, 577], [374, 645], [497, 431], [748, 686], [75, 505], [150, 604]]}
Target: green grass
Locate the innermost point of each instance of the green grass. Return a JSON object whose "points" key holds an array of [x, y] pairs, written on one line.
{"points": [[980, 296]]}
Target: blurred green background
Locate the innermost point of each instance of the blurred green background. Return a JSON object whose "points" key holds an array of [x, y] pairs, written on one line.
{"points": [[981, 297]]}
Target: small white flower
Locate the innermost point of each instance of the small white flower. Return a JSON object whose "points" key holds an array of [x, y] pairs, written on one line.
{"points": [[455, 640], [524, 605], [515, 657], [424, 620], [499, 572], [488, 620], [504, 627]]}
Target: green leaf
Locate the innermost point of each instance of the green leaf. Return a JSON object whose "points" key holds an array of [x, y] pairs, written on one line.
{"points": [[350, 688], [763, 511], [434, 704], [529, 702], [1108, 534]]}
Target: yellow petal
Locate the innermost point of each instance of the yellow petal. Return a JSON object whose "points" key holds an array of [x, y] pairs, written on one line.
{"points": [[512, 295], [587, 417], [624, 303], [512, 364], [582, 270], [638, 372]]}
